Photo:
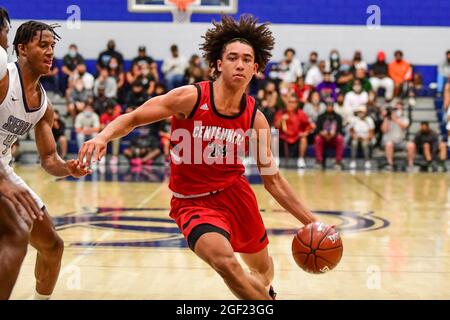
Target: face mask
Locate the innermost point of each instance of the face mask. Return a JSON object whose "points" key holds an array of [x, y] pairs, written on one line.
{"points": [[113, 66], [88, 113], [357, 88], [72, 53], [334, 56], [399, 113]]}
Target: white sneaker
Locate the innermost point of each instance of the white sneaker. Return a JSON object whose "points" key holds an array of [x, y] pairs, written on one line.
{"points": [[352, 165], [367, 165], [301, 163]]}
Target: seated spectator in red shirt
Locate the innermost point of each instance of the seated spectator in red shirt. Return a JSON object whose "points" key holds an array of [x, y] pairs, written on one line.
{"points": [[302, 90], [294, 126], [327, 88], [329, 135], [113, 110]]}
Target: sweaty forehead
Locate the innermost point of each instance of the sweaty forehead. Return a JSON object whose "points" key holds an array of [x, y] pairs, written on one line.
{"points": [[239, 48]]}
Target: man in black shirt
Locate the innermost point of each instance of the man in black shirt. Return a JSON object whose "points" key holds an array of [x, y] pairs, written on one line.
{"points": [[59, 133], [105, 56], [427, 144], [71, 60], [379, 77], [329, 135]]}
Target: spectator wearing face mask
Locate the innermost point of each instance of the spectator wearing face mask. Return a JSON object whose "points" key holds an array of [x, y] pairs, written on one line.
{"points": [[115, 70], [87, 125], [108, 83], [105, 56], [71, 60], [362, 130], [334, 63], [327, 88], [379, 77], [78, 99], [357, 97], [443, 72], [358, 62], [87, 79], [344, 76], [360, 74], [143, 59]]}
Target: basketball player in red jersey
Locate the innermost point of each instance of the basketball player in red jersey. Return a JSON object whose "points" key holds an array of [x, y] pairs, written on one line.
{"points": [[23, 107], [213, 204]]}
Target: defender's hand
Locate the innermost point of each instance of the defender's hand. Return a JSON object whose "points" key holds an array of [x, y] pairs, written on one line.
{"points": [[78, 170], [93, 149]]}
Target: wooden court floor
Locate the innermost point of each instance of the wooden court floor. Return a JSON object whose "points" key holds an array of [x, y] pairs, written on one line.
{"points": [[121, 244]]}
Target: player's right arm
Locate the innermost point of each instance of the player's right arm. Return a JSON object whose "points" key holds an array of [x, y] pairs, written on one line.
{"points": [[178, 102]]}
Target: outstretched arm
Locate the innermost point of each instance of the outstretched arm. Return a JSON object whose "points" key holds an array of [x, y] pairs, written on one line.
{"points": [[273, 181], [46, 145], [178, 102]]}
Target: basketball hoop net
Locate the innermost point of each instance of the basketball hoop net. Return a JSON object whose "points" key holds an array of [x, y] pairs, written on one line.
{"points": [[181, 10]]}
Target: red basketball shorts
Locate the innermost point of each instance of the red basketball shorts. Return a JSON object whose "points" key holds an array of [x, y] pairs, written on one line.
{"points": [[233, 210]]}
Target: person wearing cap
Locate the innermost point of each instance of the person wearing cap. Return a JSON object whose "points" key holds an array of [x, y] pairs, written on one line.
{"points": [[362, 130], [146, 62], [379, 77], [105, 56]]}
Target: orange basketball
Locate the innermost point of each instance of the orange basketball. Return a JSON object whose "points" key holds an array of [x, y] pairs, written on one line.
{"points": [[317, 248]]}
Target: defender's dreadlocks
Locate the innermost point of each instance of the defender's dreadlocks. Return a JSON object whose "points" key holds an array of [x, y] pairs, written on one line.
{"points": [[246, 31], [4, 18], [29, 29]]}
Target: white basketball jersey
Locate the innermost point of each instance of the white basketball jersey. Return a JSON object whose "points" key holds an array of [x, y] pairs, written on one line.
{"points": [[16, 117]]}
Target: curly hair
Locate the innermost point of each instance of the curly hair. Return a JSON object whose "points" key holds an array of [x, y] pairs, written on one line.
{"points": [[246, 30], [29, 29]]}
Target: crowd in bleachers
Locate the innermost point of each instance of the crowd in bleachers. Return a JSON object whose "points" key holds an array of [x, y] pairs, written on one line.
{"points": [[351, 108]]}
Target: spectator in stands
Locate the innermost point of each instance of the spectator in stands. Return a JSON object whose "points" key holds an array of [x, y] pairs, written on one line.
{"points": [[335, 63], [108, 83], [268, 101], [446, 99], [374, 111], [99, 102], [362, 130], [59, 133], [294, 127], [290, 67], [144, 60], [115, 70], [70, 62], [379, 77], [160, 89], [136, 97], [314, 107], [144, 148], [134, 73], [345, 112], [87, 125], [361, 75], [87, 78], [400, 71], [394, 132], [194, 73], [314, 74], [327, 88], [357, 97], [428, 144], [50, 82], [358, 62], [344, 76], [302, 90], [78, 99], [313, 61], [105, 56], [443, 72], [329, 135], [448, 117], [112, 112], [174, 68]]}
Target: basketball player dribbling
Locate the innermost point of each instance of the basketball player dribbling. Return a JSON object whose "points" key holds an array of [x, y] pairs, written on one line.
{"points": [[24, 106], [213, 204]]}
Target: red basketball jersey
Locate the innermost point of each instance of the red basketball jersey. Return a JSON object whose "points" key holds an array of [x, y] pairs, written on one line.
{"points": [[207, 146]]}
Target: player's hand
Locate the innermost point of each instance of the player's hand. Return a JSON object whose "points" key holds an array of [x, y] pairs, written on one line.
{"points": [[78, 170], [22, 200], [92, 150]]}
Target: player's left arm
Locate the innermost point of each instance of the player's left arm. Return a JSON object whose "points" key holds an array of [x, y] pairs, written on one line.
{"points": [[46, 145], [273, 181]]}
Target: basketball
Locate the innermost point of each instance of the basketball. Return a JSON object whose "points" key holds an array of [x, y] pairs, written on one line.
{"points": [[317, 248]]}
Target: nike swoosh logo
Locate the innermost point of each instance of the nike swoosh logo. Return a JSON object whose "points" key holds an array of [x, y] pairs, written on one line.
{"points": [[14, 99]]}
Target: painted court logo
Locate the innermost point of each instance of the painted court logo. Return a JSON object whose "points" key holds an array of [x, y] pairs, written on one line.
{"points": [[152, 228]]}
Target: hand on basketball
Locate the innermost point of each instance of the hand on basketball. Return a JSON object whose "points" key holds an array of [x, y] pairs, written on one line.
{"points": [[22, 200], [92, 151], [77, 169]]}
